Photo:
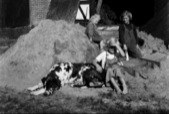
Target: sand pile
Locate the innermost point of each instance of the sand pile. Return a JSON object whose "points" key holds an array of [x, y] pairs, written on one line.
{"points": [[150, 81], [152, 44], [31, 57], [157, 81]]}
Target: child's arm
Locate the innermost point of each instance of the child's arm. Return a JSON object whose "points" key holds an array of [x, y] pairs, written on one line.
{"points": [[123, 53], [98, 67], [120, 49]]}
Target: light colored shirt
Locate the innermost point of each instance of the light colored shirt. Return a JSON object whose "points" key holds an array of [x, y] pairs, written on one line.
{"points": [[102, 57]]}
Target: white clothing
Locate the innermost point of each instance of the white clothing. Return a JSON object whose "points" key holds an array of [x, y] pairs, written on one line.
{"points": [[103, 56]]}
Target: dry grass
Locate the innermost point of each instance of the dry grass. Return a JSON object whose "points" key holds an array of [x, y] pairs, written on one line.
{"points": [[12, 101]]}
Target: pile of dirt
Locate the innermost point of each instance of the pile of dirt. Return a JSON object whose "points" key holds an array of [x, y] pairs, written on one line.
{"points": [[151, 79], [25, 63], [152, 44]]}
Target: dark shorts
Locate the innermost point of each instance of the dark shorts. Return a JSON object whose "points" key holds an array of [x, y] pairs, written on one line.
{"points": [[134, 52]]}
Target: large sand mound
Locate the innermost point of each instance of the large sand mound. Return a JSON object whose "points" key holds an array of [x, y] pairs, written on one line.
{"points": [[30, 59]]}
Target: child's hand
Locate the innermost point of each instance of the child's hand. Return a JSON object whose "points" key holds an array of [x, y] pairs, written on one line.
{"points": [[99, 69], [127, 55], [90, 39], [125, 47], [137, 46], [120, 63]]}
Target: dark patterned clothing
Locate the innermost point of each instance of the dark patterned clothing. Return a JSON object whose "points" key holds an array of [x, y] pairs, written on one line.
{"points": [[128, 36]]}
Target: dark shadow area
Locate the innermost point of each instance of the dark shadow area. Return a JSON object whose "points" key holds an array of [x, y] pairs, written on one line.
{"points": [[14, 33], [16, 13], [142, 10], [15, 18]]}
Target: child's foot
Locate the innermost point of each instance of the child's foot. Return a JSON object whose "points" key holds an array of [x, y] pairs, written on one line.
{"points": [[107, 84], [118, 91], [125, 91], [103, 85]]}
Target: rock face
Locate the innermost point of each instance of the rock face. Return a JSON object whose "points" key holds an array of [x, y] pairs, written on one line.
{"points": [[30, 59]]}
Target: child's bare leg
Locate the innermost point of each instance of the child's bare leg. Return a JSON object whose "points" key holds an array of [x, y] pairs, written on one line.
{"points": [[116, 86], [109, 74], [39, 91], [40, 85], [121, 75], [125, 90]]}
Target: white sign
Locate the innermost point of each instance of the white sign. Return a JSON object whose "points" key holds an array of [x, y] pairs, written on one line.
{"points": [[86, 10]]}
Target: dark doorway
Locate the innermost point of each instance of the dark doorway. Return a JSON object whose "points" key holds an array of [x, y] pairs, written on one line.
{"points": [[16, 13]]}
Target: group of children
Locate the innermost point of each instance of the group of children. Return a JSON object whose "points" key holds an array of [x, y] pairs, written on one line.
{"points": [[108, 60]]}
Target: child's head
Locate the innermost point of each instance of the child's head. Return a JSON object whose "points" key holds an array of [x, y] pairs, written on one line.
{"points": [[95, 18], [112, 49], [112, 45], [126, 17]]}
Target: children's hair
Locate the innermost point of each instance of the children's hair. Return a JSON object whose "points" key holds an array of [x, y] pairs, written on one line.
{"points": [[126, 13], [95, 16], [111, 44], [113, 41]]}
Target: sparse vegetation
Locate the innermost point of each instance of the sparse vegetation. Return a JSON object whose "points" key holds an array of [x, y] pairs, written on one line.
{"points": [[12, 101]]}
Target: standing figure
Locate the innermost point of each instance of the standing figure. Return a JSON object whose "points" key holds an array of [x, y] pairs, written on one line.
{"points": [[128, 36], [108, 62]]}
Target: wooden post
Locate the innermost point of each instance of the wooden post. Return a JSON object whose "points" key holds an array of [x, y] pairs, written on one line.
{"points": [[63, 10], [99, 4], [38, 10]]}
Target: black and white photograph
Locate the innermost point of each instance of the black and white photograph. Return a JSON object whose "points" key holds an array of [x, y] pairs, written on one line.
{"points": [[84, 56]]}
